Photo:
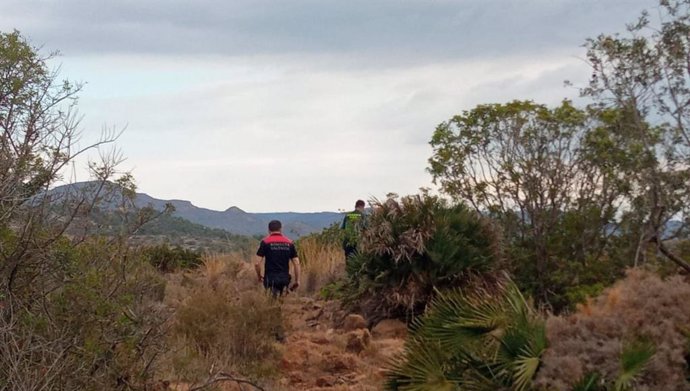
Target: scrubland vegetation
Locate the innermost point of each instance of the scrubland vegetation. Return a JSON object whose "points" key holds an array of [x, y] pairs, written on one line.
{"points": [[221, 321], [555, 258]]}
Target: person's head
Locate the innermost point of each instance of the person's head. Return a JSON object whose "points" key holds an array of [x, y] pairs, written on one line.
{"points": [[274, 226], [359, 205]]}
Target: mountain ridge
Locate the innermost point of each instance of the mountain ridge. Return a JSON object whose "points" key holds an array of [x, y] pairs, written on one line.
{"points": [[233, 219]]}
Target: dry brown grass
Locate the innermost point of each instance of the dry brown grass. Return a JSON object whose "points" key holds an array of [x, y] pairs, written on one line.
{"points": [[223, 321], [322, 264]]}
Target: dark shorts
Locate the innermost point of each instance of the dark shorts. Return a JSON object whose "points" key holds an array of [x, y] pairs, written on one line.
{"points": [[277, 284]]}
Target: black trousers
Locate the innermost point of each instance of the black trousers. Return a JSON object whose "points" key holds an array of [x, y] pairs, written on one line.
{"points": [[349, 251]]}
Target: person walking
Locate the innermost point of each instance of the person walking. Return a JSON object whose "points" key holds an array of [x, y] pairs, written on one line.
{"points": [[352, 227], [275, 254]]}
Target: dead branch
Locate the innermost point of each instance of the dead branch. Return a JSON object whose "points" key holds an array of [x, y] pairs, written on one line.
{"points": [[670, 255]]}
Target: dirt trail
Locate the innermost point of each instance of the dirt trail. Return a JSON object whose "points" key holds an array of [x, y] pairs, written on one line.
{"points": [[327, 350]]}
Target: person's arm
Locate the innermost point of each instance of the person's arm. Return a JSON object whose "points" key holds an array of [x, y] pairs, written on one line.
{"points": [[260, 253], [296, 266], [257, 267]]}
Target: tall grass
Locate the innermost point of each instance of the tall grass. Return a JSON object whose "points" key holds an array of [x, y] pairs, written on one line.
{"points": [[223, 321], [323, 262]]}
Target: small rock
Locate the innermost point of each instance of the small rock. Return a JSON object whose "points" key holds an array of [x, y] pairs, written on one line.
{"points": [[315, 316], [390, 328], [354, 322], [326, 381], [338, 363], [358, 340]]}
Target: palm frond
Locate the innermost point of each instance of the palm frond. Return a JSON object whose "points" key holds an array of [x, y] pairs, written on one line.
{"points": [[482, 378], [425, 368], [590, 382], [478, 341], [634, 358], [463, 322]]}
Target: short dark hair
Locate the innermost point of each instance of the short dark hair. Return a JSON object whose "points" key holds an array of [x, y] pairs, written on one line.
{"points": [[274, 226], [359, 204]]}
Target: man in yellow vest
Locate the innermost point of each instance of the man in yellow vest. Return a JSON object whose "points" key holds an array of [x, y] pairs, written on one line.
{"points": [[352, 226]]}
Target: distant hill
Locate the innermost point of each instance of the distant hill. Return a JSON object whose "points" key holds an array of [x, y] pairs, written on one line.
{"points": [[167, 229], [233, 219]]}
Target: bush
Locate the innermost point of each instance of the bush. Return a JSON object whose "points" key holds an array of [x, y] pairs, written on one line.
{"points": [[233, 333], [487, 338], [221, 325], [414, 246], [635, 336], [96, 325], [634, 333], [169, 259]]}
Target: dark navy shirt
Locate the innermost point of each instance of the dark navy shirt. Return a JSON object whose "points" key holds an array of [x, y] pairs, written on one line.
{"points": [[277, 250]]}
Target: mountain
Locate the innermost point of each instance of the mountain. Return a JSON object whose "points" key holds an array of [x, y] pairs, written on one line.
{"points": [[237, 221], [233, 219], [166, 230]]}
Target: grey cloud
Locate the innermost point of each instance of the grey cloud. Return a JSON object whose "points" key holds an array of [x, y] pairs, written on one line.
{"points": [[350, 91], [380, 31]]}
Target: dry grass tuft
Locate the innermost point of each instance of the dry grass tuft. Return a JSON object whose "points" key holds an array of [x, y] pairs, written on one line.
{"points": [[322, 263]]}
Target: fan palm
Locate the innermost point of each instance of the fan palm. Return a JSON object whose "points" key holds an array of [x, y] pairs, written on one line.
{"points": [[414, 245], [486, 339]]}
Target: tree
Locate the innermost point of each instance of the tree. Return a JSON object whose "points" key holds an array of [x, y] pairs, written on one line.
{"points": [[58, 290], [543, 174], [39, 126], [646, 76]]}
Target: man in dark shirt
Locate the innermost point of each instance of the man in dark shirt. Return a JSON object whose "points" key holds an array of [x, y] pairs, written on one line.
{"points": [[352, 226], [276, 252]]}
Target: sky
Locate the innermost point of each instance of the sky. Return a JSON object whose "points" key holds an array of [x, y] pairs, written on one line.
{"points": [[302, 105]]}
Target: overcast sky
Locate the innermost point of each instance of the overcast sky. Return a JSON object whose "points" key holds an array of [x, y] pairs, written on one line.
{"points": [[299, 105]]}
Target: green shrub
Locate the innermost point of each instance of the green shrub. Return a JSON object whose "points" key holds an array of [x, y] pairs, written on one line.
{"points": [[581, 293], [168, 259], [486, 338], [412, 247], [334, 290], [96, 323]]}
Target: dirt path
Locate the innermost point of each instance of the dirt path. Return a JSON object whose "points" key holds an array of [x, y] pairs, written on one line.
{"points": [[321, 352]]}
